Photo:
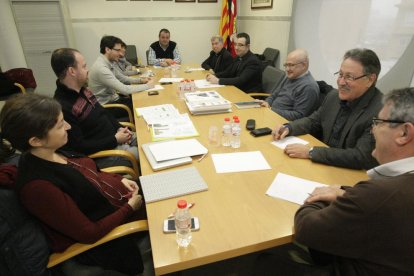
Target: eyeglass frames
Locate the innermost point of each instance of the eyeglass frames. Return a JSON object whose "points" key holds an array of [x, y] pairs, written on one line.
{"points": [[348, 78], [291, 65], [376, 121]]}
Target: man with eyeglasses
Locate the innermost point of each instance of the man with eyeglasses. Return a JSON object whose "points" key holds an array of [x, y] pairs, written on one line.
{"points": [[343, 121], [366, 229], [245, 72], [106, 81], [297, 95]]}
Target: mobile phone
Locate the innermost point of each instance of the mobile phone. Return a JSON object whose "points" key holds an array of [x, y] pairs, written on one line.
{"points": [[250, 124], [169, 225], [261, 132], [165, 83], [152, 93]]}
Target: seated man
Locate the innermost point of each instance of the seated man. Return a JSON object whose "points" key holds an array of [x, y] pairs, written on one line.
{"points": [[365, 229], [219, 58], [344, 119], [297, 95], [123, 65], [93, 128], [105, 81], [163, 52], [245, 72]]}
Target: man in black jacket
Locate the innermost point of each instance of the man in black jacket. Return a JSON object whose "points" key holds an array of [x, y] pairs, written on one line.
{"points": [[245, 72], [219, 58]]}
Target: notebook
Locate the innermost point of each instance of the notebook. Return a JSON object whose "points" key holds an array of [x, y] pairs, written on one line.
{"points": [[161, 165], [159, 186]]}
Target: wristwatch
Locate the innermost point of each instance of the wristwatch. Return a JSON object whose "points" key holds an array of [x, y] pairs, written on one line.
{"points": [[310, 153]]}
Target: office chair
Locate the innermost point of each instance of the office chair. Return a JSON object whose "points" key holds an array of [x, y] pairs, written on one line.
{"points": [[131, 54], [271, 77], [271, 55]]}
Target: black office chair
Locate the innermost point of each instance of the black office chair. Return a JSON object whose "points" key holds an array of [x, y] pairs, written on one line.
{"points": [[271, 78], [131, 54], [271, 55]]}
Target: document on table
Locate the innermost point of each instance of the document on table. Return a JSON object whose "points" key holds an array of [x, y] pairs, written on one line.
{"points": [[178, 127], [194, 69], [176, 149], [157, 112], [240, 162], [291, 188], [206, 84], [156, 88], [170, 80], [289, 140]]}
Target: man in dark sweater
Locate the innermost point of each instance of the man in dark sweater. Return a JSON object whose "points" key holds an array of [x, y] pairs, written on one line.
{"points": [[92, 127], [163, 52], [246, 70], [219, 58], [365, 229]]}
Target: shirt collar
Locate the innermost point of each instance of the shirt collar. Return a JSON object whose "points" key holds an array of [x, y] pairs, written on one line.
{"points": [[393, 168]]}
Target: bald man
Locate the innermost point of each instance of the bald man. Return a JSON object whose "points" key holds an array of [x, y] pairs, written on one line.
{"points": [[297, 95]]}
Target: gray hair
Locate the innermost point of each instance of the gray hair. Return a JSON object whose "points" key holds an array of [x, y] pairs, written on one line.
{"points": [[217, 37], [401, 103]]}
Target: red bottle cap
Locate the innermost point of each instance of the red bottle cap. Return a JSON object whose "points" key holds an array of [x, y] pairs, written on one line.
{"points": [[227, 119], [182, 204]]}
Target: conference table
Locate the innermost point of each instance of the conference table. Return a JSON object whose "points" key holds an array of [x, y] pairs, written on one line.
{"points": [[236, 216]]}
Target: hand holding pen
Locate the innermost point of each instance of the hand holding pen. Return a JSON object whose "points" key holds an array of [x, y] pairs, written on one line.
{"points": [[280, 132]]}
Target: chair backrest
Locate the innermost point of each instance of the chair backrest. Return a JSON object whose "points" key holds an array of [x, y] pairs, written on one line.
{"points": [[271, 77], [147, 53], [324, 90], [131, 54], [272, 55]]}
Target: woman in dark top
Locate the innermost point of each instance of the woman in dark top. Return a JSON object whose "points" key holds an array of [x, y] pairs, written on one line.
{"points": [[74, 201]]}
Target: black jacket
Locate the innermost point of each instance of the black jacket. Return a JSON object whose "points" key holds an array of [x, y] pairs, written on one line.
{"points": [[218, 62]]}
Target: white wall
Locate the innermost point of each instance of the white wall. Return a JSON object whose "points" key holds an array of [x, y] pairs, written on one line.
{"points": [[191, 25]]}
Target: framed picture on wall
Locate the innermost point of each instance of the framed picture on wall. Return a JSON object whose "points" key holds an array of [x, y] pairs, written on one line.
{"points": [[262, 4], [207, 1], [185, 1]]}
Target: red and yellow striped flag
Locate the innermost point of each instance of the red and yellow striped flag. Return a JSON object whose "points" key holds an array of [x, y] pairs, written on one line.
{"points": [[228, 23]]}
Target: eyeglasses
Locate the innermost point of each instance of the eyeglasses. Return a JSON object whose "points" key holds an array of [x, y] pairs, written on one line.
{"points": [[239, 45], [348, 78], [109, 191], [376, 121], [116, 49], [291, 65]]}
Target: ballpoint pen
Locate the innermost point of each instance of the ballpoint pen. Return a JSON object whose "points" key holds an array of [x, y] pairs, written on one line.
{"points": [[172, 215], [202, 157]]}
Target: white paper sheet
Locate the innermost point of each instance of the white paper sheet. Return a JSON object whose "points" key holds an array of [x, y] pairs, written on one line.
{"points": [[177, 149], [291, 188], [157, 112], [240, 162], [156, 87], [194, 69], [170, 80], [206, 84], [289, 140]]}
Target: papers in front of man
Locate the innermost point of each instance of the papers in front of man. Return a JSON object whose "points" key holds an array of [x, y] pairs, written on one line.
{"points": [[188, 70], [166, 80], [170, 184], [157, 112], [206, 102], [200, 84], [251, 104], [180, 126], [176, 149], [289, 140], [156, 88], [291, 188], [240, 162]]}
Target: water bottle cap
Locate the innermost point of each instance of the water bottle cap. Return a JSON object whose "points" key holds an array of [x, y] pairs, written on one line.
{"points": [[235, 117], [237, 120], [182, 204], [227, 119]]}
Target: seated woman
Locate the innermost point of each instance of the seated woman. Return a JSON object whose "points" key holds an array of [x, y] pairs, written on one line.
{"points": [[74, 201]]}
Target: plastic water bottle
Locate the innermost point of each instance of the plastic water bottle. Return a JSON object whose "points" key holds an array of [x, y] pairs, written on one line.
{"points": [[235, 134], [181, 90], [226, 135], [183, 224]]}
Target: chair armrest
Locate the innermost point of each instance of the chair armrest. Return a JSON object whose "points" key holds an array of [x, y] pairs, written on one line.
{"points": [[77, 248], [259, 94], [121, 170], [121, 153], [22, 89], [122, 106]]}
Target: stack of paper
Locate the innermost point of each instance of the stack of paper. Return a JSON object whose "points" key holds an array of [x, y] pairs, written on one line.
{"points": [[177, 127], [206, 102]]}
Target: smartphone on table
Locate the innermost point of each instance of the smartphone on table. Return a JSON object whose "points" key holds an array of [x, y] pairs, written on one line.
{"points": [[169, 225]]}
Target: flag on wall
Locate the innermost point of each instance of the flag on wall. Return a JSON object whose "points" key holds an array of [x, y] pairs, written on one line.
{"points": [[228, 23]]}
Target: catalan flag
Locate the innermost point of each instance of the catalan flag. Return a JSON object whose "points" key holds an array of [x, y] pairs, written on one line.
{"points": [[228, 23]]}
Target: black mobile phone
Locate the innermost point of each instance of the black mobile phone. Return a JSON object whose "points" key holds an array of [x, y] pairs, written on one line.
{"points": [[261, 132], [165, 83], [152, 93], [250, 124]]}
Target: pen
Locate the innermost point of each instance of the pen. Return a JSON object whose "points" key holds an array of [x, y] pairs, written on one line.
{"points": [[202, 157], [172, 215], [281, 129]]}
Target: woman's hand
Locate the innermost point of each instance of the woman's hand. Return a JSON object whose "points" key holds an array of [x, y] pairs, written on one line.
{"points": [[130, 185], [135, 201]]}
